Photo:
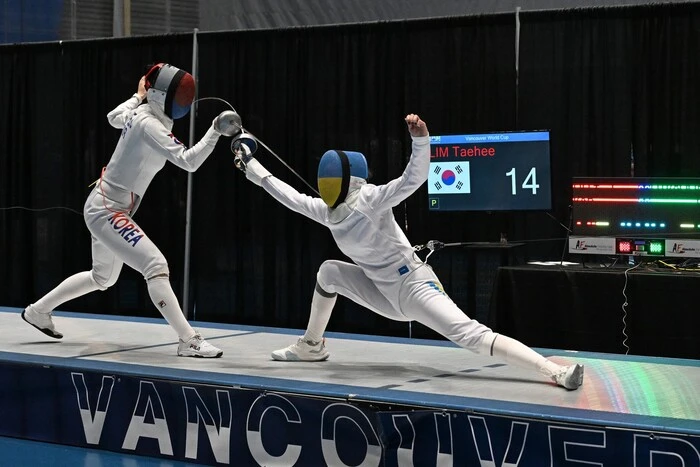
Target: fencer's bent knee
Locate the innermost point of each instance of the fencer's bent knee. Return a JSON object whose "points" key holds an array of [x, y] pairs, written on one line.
{"points": [[319, 290], [158, 276], [157, 267], [103, 282], [327, 274]]}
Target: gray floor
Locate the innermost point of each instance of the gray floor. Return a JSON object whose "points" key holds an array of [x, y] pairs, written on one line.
{"points": [[419, 372]]}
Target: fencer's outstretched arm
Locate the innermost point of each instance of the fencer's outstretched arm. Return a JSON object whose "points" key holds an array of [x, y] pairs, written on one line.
{"points": [[176, 152], [118, 117], [313, 208], [415, 173]]}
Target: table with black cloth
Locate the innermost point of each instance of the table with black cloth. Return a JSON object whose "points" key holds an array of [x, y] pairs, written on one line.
{"points": [[581, 308]]}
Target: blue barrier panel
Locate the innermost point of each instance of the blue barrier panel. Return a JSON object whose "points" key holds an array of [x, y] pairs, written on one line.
{"points": [[220, 425], [463, 439]]}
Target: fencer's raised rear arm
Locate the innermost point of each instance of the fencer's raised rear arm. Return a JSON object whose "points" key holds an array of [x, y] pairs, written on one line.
{"points": [[413, 176], [118, 117], [313, 208], [176, 152]]}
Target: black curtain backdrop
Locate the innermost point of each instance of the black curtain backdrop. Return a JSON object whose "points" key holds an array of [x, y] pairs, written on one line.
{"points": [[608, 83], [619, 89]]}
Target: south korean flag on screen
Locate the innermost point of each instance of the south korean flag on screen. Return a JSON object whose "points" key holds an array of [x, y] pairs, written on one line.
{"points": [[449, 178]]}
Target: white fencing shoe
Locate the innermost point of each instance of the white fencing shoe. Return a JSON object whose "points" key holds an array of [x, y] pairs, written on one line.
{"points": [[41, 321], [303, 351], [195, 346], [569, 377]]}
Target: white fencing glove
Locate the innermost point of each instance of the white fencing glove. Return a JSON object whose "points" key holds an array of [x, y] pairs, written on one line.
{"points": [[227, 123], [255, 172], [243, 147]]}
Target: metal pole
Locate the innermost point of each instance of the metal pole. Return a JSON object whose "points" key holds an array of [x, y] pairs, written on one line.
{"points": [[21, 22], [127, 18], [168, 16], [118, 18], [188, 215], [73, 20]]}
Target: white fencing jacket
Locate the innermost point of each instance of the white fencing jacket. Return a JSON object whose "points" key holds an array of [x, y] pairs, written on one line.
{"points": [[146, 144], [369, 235]]}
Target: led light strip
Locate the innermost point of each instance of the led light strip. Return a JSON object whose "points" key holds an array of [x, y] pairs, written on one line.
{"points": [[594, 223], [643, 224], [635, 187], [636, 200]]}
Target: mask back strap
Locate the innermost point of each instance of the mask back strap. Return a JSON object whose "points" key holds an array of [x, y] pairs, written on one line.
{"points": [[345, 183], [170, 94]]}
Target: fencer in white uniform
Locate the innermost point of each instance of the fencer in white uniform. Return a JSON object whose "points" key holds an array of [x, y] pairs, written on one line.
{"points": [[386, 277], [145, 145]]}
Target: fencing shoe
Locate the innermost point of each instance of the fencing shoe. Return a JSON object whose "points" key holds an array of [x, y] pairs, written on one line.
{"points": [[41, 321], [570, 377], [195, 346], [303, 351]]}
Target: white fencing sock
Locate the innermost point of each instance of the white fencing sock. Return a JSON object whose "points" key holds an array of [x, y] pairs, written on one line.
{"points": [[75, 286], [516, 353], [164, 299], [321, 307]]}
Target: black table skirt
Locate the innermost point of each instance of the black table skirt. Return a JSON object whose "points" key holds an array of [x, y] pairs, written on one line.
{"points": [[580, 308]]}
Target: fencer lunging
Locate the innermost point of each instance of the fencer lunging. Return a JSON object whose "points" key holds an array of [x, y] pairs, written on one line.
{"points": [[146, 143], [386, 276]]}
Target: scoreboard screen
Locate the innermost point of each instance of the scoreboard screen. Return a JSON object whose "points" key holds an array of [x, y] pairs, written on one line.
{"points": [[490, 172]]}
